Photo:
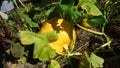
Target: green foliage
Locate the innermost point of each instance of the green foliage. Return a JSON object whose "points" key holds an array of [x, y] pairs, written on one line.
{"points": [[42, 49], [27, 20], [54, 64], [63, 8], [96, 61], [22, 59], [90, 7], [96, 21], [47, 13], [68, 10], [91, 61], [43, 52]]}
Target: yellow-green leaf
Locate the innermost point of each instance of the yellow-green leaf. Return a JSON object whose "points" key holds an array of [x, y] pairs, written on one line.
{"points": [[42, 49], [54, 64], [90, 7]]}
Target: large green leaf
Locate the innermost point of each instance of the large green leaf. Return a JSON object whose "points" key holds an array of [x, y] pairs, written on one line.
{"points": [[28, 38], [96, 21], [90, 7], [42, 49], [54, 64]]}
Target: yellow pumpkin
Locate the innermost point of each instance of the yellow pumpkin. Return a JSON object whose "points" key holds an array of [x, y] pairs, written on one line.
{"points": [[65, 33], [85, 23]]}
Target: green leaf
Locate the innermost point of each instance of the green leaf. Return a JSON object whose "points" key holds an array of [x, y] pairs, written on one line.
{"points": [[68, 10], [91, 61], [97, 62], [44, 52], [54, 64], [96, 21], [90, 7], [28, 20], [73, 14], [47, 13], [42, 49], [28, 38], [52, 35], [66, 2], [65, 5], [22, 59], [55, 12]]}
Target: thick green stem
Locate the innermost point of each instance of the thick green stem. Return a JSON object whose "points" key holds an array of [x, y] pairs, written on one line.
{"points": [[89, 30]]}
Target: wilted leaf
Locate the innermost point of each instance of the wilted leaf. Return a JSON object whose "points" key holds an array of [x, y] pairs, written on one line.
{"points": [[17, 50], [54, 64]]}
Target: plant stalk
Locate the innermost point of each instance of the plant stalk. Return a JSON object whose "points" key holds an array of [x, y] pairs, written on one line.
{"points": [[89, 30]]}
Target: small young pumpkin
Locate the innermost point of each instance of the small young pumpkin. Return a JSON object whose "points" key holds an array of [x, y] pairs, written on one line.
{"points": [[65, 33]]}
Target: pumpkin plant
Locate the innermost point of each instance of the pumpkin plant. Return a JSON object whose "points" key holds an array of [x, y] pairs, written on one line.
{"points": [[55, 36]]}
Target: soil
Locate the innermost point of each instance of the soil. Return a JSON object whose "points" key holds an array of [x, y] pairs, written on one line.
{"points": [[113, 31]]}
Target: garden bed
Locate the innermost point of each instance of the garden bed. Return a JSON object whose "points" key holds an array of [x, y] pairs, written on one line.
{"points": [[95, 44]]}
